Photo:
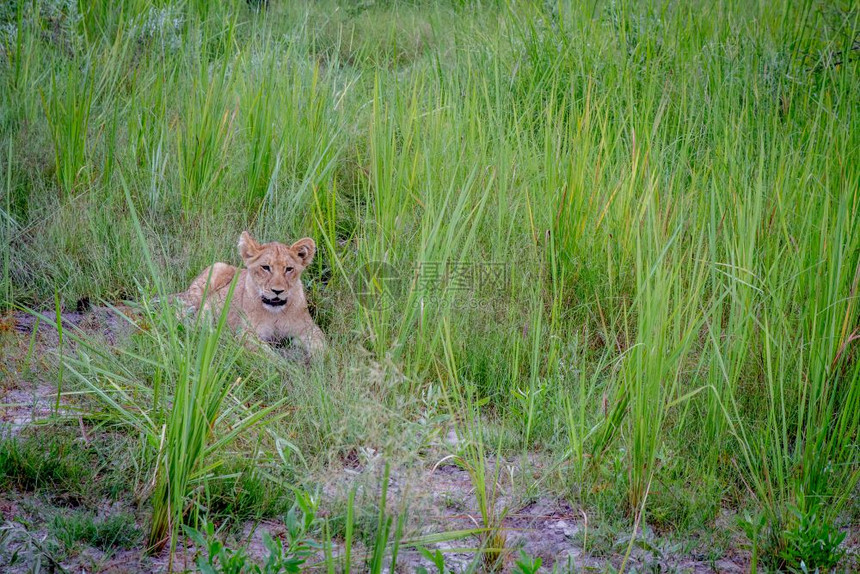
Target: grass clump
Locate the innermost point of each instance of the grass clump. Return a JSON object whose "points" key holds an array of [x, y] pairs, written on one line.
{"points": [[58, 463], [243, 493], [192, 393], [106, 533], [54, 460]]}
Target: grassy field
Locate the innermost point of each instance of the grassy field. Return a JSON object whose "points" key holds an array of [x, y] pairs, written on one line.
{"points": [[617, 247]]}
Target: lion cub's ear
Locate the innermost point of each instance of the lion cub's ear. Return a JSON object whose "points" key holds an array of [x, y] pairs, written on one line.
{"points": [[305, 249], [248, 247]]}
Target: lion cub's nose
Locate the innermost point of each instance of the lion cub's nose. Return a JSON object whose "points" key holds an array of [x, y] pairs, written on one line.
{"points": [[277, 291]]}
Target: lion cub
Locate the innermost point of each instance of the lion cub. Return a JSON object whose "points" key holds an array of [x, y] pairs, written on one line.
{"points": [[268, 298]]}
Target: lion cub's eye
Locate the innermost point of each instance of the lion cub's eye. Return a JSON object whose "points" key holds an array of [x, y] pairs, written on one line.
{"points": [[266, 268], [288, 269]]}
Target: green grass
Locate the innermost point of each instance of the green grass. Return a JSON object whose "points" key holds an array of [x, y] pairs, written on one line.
{"points": [[116, 531], [671, 190], [29, 464], [61, 465]]}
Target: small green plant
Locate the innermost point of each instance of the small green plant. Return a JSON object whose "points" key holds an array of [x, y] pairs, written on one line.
{"points": [[801, 542], [21, 546], [753, 528], [287, 559], [300, 521], [525, 564], [218, 558], [436, 558], [812, 543]]}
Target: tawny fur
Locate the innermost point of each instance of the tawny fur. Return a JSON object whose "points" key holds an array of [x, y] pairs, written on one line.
{"points": [[269, 298]]}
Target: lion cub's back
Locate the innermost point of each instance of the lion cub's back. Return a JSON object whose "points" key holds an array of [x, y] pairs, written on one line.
{"points": [[214, 280]]}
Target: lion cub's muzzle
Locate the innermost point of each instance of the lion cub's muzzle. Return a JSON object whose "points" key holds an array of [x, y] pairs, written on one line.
{"points": [[273, 302]]}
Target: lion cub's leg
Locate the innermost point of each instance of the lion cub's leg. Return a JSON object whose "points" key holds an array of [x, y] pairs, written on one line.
{"points": [[210, 281], [311, 338]]}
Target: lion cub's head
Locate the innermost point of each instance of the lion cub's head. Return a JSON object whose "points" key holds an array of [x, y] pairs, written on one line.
{"points": [[275, 268]]}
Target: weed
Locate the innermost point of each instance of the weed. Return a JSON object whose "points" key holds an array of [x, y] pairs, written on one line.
{"points": [[812, 544], [525, 564], [436, 558], [218, 557], [288, 559], [20, 546], [801, 543]]}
